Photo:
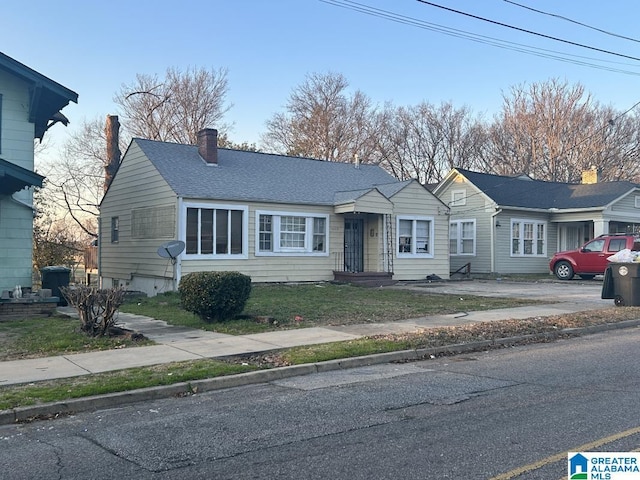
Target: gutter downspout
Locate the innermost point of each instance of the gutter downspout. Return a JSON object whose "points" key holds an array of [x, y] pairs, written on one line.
{"points": [[100, 282], [177, 269], [493, 239]]}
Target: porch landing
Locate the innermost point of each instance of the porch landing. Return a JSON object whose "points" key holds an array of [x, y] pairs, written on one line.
{"points": [[368, 279]]}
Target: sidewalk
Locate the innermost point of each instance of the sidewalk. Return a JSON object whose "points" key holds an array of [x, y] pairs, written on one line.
{"points": [[176, 344], [179, 343]]}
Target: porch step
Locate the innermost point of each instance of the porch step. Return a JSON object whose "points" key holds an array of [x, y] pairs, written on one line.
{"points": [[368, 279]]}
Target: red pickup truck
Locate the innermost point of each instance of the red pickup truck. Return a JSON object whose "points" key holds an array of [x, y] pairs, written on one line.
{"points": [[591, 259]]}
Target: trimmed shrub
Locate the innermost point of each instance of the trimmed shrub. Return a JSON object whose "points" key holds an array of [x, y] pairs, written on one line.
{"points": [[215, 296]]}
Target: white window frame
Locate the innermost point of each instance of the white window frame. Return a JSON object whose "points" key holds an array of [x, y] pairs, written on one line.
{"points": [[535, 224], [459, 239], [277, 250], [413, 242], [458, 198], [637, 201], [215, 206], [115, 229]]}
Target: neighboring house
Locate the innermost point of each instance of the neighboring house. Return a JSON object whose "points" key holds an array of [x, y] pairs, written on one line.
{"points": [[30, 104], [274, 218], [502, 224]]}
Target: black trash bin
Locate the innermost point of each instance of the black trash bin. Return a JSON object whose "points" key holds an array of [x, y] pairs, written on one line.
{"points": [[54, 278], [622, 283]]}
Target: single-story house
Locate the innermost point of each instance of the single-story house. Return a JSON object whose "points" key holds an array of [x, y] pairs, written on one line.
{"points": [[30, 104], [503, 224], [275, 218]]}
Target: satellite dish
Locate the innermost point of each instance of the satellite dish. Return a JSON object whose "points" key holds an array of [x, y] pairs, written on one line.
{"points": [[171, 249]]}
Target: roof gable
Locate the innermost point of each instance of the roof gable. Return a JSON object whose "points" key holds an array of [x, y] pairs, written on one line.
{"points": [[253, 176], [524, 192], [363, 201]]}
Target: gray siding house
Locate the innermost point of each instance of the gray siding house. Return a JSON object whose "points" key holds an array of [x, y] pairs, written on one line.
{"points": [[502, 224], [275, 218], [30, 104]]}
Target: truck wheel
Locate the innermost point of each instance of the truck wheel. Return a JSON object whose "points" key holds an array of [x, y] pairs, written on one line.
{"points": [[563, 270]]}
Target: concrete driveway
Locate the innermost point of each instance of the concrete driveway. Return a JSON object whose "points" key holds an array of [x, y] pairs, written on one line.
{"points": [[545, 290]]}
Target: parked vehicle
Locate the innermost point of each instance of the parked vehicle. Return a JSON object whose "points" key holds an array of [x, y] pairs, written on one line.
{"points": [[591, 259]]}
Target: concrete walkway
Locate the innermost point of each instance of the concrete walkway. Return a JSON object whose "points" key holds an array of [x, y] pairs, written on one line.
{"points": [[179, 343], [176, 344]]}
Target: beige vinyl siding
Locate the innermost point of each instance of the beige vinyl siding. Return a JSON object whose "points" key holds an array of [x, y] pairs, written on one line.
{"points": [[16, 220], [137, 185], [485, 233], [374, 243], [505, 263], [371, 202], [479, 208], [627, 204], [625, 209], [414, 200], [281, 267]]}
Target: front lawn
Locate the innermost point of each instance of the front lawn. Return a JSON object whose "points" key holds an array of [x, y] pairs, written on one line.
{"points": [[284, 306], [55, 335]]}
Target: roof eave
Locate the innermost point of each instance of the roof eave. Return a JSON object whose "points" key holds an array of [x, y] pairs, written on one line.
{"points": [[47, 96], [577, 210], [14, 178]]}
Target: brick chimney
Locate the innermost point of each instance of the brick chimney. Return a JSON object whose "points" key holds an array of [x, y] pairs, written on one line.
{"points": [[112, 133], [208, 145], [591, 176]]}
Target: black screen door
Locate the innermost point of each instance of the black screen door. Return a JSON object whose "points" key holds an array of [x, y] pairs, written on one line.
{"points": [[353, 245]]}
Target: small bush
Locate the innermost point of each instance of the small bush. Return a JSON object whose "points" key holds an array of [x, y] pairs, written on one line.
{"points": [[96, 307], [215, 296]]}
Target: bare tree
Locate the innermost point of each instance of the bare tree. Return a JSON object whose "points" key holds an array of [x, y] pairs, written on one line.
{"points": [[620, 153], [76, 178], [225, 142], [425, 141], [322, 121], [56, 241], [175, 107], [554, 131]]}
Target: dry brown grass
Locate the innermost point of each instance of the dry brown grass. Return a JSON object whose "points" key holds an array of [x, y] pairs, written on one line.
{"points": [[474, 332], [453, 335]]}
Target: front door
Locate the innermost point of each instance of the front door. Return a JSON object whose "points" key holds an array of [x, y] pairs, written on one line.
{"points": [[353, 245]]}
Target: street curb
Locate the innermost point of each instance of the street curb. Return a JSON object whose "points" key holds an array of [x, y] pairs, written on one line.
{"points": [[72, 406]]}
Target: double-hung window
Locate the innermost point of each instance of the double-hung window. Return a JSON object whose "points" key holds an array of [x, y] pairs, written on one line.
{"points": [[415, 236], [216, 230], [115, 229], [280, 233], [462, 237], [528, 238]]}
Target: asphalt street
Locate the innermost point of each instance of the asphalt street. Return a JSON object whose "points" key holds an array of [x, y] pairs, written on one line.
{"points": [[502, 414]]}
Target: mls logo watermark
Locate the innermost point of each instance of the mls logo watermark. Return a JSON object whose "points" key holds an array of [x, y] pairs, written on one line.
{"points": [[603, 466]]}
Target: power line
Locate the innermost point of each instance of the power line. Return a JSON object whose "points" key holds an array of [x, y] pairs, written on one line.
{"points": [[557, 157], [531, 32], [483, 39], [573, 21]]}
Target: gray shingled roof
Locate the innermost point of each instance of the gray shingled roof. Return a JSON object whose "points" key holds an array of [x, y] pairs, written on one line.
{"points": [[518, 192], [261, 177]]}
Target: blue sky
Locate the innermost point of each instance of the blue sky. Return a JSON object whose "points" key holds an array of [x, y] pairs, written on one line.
{"points": [[268, 46]]}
